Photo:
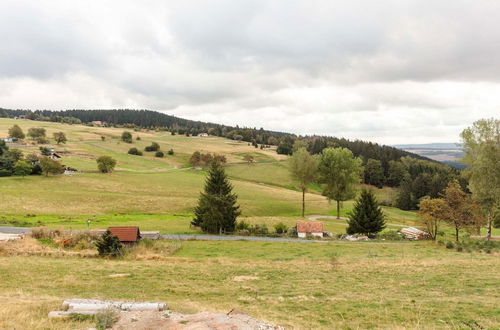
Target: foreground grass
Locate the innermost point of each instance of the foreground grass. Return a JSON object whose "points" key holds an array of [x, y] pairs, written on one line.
{"points": [[323, 285]]}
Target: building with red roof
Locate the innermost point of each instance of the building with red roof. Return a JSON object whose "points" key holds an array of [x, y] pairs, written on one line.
{"points": [[126, 234], [311, 228]]}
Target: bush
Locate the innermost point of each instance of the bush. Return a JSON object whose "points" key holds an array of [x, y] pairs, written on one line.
{"points": [[134, 151], [292, 232], [449, 245], [153, 147], [42, 140], [106, 318], [390, 235], [170, 152], [159, 154], [242, 225], [280, 228], [109, 246], [259, 230], [126, 137]]}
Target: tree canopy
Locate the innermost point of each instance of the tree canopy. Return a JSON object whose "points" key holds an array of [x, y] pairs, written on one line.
{"points": [[340, 171]]}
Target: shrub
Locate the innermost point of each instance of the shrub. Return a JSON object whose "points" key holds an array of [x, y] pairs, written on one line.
{"points": [[42, 140], [449, 245], [106, 318], [159, 154], [242, 225], [280, 228], [109, 246], [390, 235], [134, 151], [292, 232], [126, 137], [259, 230], [153, 147], [170, 152]]}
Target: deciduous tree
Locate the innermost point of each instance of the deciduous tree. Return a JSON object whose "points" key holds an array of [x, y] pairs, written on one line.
{"points": [[482, 156], [50, 166], [60, 137], [374, 173], [106, 164], [36, 132], [341, 172], [16, 132], [432, 212], [304, 170]]}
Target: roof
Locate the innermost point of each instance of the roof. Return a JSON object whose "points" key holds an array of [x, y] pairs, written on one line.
{"points": [[310, 227], [126, 233]]}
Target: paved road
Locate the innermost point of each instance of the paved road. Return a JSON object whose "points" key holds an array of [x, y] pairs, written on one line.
{"points": [[14, 230], [329, 217], [21, 230], [237, 238]]}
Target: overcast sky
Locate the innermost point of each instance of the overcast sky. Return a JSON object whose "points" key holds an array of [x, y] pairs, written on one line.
{"points": [[393, 72]]}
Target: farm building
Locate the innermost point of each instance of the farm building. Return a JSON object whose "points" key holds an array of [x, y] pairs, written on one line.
{"points": [[10, 140], [98, 123], [203, 134], [126, 234], [315, 229]]}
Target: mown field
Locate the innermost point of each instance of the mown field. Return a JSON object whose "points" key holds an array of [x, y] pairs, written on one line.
{"points": [[297, 285]]}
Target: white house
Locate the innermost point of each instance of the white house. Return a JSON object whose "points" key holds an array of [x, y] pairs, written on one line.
{"points": [[311, 228]]}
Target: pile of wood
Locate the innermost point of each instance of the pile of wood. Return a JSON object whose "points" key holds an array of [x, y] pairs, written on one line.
{"points": [[94, 306], [414, 233]]}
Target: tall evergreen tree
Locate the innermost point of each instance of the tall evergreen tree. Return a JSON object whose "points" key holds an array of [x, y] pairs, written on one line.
{"points": [[367, 216], [217, 210]]}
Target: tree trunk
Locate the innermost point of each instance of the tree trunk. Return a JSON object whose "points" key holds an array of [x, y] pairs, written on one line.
{"points": [[490, 218], [303, 201], [338, 209], [456, 233]]}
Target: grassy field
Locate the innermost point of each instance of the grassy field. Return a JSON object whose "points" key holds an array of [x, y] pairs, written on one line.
{"points": [[147, 190], [320, 285], [297, 285]]}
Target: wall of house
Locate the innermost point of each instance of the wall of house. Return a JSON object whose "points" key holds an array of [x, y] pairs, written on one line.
{"points": [[304, 235]]}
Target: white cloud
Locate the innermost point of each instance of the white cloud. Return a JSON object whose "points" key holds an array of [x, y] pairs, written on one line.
{"points": [[391, 71]]}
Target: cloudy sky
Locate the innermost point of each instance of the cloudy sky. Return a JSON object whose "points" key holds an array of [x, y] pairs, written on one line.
{"points": [[390, 71]]}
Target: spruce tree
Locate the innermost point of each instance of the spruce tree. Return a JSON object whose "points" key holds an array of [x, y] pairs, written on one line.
{"points": [[217, 210], [367, 217], [109, 245]]}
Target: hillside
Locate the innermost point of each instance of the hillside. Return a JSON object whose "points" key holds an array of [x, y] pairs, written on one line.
{"points": [[148, 189]]}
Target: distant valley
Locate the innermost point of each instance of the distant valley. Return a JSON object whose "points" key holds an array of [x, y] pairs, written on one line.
{"points": [[447, 153]]}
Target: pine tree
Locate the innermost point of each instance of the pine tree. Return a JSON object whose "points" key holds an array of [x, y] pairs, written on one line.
{"points": [[217, 210], [109, 245], [367, 216]]}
